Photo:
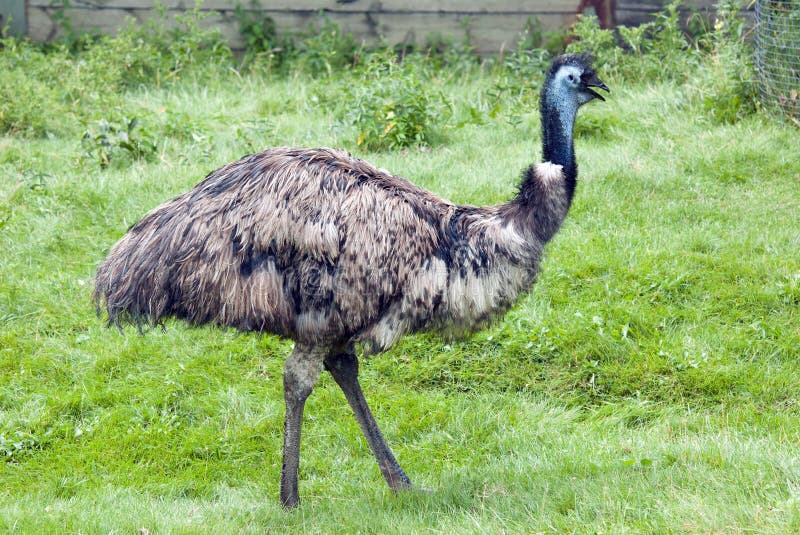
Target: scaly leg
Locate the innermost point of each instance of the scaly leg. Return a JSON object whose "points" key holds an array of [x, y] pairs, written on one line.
{"points": [[344, 369], [300, 374]]}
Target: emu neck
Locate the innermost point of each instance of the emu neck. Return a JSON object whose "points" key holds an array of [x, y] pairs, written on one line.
{"points": [[558, 120], [539, 207]]}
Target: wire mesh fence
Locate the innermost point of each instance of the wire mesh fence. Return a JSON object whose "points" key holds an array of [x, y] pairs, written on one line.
{"points": [[778, 53]]}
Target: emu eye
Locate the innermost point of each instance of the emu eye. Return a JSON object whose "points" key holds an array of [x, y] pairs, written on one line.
{"points": [[572, 78]]}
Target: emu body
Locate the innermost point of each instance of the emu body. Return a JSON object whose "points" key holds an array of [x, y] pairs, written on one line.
{"points": [[325, 249]]}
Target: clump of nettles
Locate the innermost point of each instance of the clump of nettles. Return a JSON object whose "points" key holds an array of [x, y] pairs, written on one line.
{"points": [[322, 50], [716, 68], [517, 76], [725, 83], [160, 50], [27, 102], [390, 103], [109, 140], [394, 104], [93, 72], [656, 50]]}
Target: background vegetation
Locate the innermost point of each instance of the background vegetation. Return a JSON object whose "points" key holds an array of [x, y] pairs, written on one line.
{"points": [[649, 383]]}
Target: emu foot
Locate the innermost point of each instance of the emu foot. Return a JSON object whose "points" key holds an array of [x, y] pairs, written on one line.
{"points": [[290, 503], [408, 487]]}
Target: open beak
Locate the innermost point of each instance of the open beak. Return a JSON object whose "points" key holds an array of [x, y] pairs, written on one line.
{"points": [[594, 81]]}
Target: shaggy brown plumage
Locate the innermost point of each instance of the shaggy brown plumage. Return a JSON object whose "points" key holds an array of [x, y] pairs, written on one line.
{"points": [[325, 249]]}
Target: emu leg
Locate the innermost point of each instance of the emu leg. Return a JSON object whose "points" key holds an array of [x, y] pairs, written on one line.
{"points": [[344, 369], [300, 374]]}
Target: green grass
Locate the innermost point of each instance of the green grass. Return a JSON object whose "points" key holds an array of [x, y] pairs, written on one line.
{"points": [[648, 384]]}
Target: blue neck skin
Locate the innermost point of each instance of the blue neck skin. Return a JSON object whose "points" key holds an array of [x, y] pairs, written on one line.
{"points": [[558, 120]]}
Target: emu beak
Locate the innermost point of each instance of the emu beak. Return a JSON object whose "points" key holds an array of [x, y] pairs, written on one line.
{"points": [[594, 81]]}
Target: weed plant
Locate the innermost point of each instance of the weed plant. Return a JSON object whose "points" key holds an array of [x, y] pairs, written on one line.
{"points": [[320, 51], [394, 104], [716, 68], [648, 384], [266, 49], [455, 56], [726, 81], [93, 78], [656, 50], [516, 79], [108, 140]]}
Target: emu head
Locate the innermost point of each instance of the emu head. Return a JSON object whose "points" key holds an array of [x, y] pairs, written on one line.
{"points": [[571, 79]]}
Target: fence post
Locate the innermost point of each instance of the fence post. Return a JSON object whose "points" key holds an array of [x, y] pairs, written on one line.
{"points": [[12, 14]]}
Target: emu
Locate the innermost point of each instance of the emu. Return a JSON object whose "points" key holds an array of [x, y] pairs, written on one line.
{"points": [[327, 250]]}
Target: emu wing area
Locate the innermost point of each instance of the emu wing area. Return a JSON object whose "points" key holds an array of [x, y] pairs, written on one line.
{"points": [[310, 244]]}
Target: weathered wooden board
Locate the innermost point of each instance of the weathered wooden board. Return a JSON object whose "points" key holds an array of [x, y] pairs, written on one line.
{"points": [[493, 25], [352, 6], [489, 32], [12, 16]]}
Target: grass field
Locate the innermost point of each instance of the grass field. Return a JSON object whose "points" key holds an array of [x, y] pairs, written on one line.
{"points": [[648, 384]]}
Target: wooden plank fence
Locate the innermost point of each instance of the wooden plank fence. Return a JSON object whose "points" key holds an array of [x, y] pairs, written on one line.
{"points": [[13, 17], [492, 25]]}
